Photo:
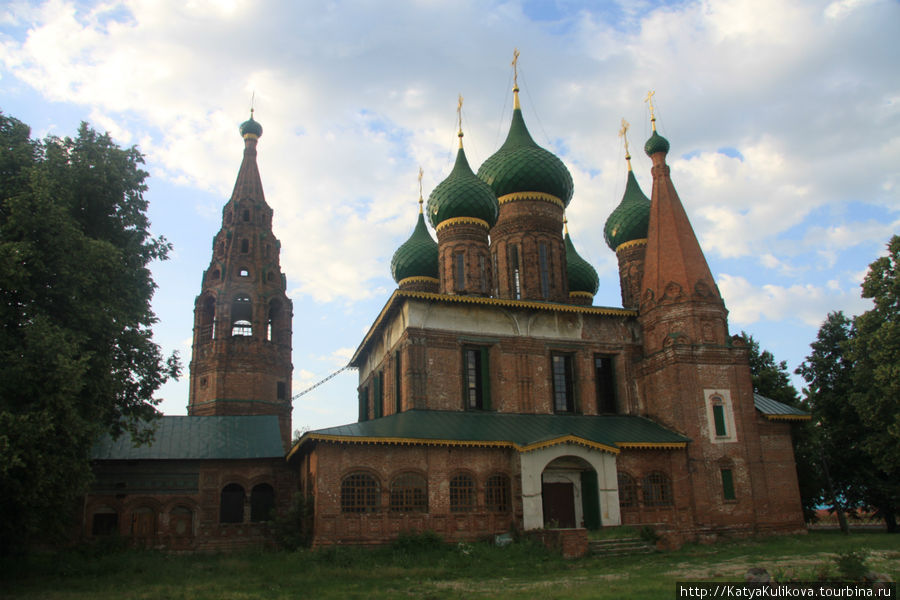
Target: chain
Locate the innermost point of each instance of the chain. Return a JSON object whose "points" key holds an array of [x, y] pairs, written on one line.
{"points": [[315, 385]]}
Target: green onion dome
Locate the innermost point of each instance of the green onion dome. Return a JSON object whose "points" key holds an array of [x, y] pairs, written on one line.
{"points": [[251, 127], [462, 195], [520, 165], [417, 256], [582, 276], [631, 218], [656, 143]]}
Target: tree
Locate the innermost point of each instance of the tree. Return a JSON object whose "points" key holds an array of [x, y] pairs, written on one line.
{"points": [[772, 380], [75, 319], [875, 352]]}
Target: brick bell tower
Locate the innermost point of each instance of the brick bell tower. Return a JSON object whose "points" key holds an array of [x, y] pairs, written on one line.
{"points": [[241, 354]]}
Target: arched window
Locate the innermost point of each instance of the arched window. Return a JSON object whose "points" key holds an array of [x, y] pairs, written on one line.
{"points": [[657, 489], [273, 322], [181, 521], [359, 493], [262, 502], [143, 522], [245, 246], [207, 322], [246, 215], [462, 493], [627, 490], [497, 493], [231, 504], [105, 521], [241, 313], [409, 493]]}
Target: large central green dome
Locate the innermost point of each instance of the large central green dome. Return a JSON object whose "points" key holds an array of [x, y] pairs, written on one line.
{"points": [[520, 165], [462, 195]]}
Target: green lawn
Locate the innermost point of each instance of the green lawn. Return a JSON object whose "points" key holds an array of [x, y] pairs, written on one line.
{"points": [[521, 570]]}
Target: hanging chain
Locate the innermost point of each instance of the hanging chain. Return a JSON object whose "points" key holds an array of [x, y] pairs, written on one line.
{"points": [[315, 385]]}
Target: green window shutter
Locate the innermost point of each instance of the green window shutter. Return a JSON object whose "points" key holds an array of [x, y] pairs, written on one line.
{"points": [[719, 417], [590, 499], [398, 398], [485, 379], [378, 383], [727, 484]]}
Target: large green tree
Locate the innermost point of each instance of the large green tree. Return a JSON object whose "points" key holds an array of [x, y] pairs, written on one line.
{"points": [[875, 352], [75, 319]]}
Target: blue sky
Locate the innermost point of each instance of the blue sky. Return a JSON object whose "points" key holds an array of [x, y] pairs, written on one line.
{"points": [[783, 118]]}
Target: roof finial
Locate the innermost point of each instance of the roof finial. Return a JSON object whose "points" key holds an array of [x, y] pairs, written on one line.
{"points": [[565, 224], [649, 100], [515, 66], [252, 102], [623, 133], [459, 118], [421, 172]]}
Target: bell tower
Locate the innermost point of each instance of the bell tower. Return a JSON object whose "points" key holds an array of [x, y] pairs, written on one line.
{"points": [[241, 354]]}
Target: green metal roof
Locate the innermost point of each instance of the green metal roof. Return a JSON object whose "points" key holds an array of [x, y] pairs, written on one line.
{"points": [[520, 165], [417, 256], [462, 194], [775, 410], [251, 126], [630, 219], [656, 143], [582, 276], [193, 438], [522, 432]]}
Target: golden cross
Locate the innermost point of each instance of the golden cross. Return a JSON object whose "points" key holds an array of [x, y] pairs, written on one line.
{"points": [[515, 66], [421, 172], [459, 117], [252, 102], [649, 100], [623, 133]]}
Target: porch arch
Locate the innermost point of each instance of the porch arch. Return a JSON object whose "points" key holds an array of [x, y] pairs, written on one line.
{"points": [[535, 462]]}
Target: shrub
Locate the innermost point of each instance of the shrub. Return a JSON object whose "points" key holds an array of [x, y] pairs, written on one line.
{"points": [[852, 565], [293, 529], [415, 542]]}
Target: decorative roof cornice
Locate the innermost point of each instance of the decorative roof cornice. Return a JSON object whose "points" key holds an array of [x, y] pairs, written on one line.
{"points": [[419, 279], [581, 295], [516, 196], [461, 221], [626, 245], [788, 417], [652, 445], [400, 295]]}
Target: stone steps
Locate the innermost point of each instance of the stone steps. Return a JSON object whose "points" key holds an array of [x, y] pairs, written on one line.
{"points": [[620, 547]]}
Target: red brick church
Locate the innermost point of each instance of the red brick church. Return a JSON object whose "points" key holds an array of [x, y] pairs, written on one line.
{"points": [[492, 394]]}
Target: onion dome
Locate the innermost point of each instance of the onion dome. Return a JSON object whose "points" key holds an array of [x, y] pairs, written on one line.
{"points": [[417, 256], [656, 143], [251, 127], [462, 195], [631, 218], [582, 276], [520, 165]]}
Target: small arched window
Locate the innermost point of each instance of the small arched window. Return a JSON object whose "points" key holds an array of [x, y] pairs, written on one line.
{"points": [[207, 322], [274, 321], [359, 493], [181, 521], [245, 246], [231, 504], [244, 273], [105, 521], [262, 502], [657, 489], [246, 215], [462, 493], [627, 490], [497, 493], [409, 493]]}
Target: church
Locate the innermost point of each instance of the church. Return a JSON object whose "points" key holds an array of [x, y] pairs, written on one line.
{"points": [[493, 395]]}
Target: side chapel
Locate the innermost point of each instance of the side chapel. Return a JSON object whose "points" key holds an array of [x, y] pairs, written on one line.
{"points": [[492, 394]]}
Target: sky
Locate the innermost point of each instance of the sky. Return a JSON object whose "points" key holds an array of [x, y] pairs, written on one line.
{"points": [[783, 119]]}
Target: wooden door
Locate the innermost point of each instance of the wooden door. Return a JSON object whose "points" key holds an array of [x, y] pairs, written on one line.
{"points": [[559, 504]]}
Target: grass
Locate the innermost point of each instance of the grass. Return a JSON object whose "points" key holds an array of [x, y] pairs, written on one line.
{"points": [[426, 569]]}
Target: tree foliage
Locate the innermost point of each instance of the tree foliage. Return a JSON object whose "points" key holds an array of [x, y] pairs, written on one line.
{"points": [[854, 393], [75, 319]]}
